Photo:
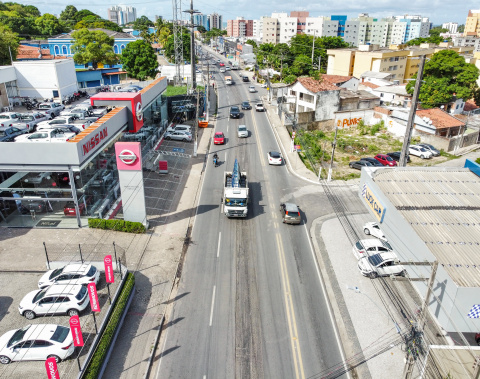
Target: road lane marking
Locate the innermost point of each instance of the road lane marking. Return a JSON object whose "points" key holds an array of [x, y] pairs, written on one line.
{"points": [[213, 303], [219, 239]]}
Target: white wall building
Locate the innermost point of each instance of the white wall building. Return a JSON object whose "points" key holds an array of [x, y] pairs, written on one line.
{"points": [[287, 27], [257, 28], [451, 26]]}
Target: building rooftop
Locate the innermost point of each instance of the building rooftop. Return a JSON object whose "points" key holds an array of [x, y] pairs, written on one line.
{"points": [[374, 74], [442, 205], [395, 89], [316, 85], [336, 79], [110, 33], [369, 84], [440, 119]]}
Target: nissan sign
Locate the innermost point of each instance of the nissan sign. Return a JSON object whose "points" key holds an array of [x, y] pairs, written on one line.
{"points": [[76, 329], [139, 112], [92, 293], [127, 157], [52, 369], [107, 261]]}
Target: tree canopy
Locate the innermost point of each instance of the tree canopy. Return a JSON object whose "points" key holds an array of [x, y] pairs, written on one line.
{"points": [[49, 25], [8, 43], [445, 76], [139, 60], [142, 23], [93, 47]]}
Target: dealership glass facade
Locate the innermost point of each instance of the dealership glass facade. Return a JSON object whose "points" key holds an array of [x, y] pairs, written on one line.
{"points": [[46, 199]]}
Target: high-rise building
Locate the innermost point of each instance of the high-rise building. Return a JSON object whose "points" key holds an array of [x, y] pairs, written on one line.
{"points": [[301, 20], [321, 26], [215, 21], [201, 19], [240, 27], [122, 15], [451, 27], [472, 25]]}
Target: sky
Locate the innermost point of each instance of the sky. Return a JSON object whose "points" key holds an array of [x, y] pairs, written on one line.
{"points": [[437, 11]]}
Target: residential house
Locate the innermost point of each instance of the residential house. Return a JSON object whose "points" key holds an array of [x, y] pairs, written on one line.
{"points": [[393, 95], [348, 82]]}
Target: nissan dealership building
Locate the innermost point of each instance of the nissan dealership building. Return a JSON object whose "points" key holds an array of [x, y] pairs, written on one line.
{"points": [[64, 184]]}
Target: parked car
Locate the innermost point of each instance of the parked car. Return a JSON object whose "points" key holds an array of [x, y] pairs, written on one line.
{"points": [[242, 131], [56, 299], [61, 120], [359, 164], [75, 273], [9, 134], [36, 343], [227, 68], [368, 247], [7, 119], [246, 105], [435, 152], [274, 158], [372, 228], [50, 135], [385, 160], [29, 120], [259, 107], [420, 151], [180, 128], [179, 136], [218, 138], [396, 156], [234, 112], [252, 89], [37, 178], [77, 113], [290, 213], [380, 264], [51, 109], [373, 161], [63, 127]]}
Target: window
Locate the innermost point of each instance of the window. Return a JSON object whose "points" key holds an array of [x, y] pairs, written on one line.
{"points": [[64, 50], [115, 49], [56, 50]]}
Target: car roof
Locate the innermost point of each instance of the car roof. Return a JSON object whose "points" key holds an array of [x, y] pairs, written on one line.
{"points": [[40, 331], [383, 155], [240, 126], [218, 133], [372, 242], [63, 289], [77, 268], [291, 207]]}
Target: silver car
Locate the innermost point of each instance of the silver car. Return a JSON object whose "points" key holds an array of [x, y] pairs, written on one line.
{"points": [[29, 120], [179, 136], [242, 131]]}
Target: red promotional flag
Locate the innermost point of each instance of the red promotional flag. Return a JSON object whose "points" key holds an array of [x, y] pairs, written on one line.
{"points": [[52, 369], [92, 293], [107, 261], [76, 331]]}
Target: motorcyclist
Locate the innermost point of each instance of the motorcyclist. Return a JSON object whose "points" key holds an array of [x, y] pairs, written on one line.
{"points": [[215, 159]]}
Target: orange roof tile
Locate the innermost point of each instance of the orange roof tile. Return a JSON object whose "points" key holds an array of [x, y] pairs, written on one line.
{"points": [[316, 85], [370, 85], [470, 105], [336, 79], [440, 119]]}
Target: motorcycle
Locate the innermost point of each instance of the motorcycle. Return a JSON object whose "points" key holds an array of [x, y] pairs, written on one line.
{"points": [[215, 160]]}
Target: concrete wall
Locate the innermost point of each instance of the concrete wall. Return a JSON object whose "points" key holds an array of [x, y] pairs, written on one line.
{"points": [[327, 103], [340, 62], [350, 119], [7, 74]]}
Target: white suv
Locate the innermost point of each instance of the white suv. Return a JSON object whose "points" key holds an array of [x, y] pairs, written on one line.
{"points": [[420, 151], [180, 128], [64, 299], [76, 273]]}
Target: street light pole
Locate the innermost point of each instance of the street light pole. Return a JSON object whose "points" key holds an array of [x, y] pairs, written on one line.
{"points": [[334, 144]]}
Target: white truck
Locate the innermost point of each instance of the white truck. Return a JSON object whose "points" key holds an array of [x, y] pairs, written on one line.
{"points": [[235, 193]]}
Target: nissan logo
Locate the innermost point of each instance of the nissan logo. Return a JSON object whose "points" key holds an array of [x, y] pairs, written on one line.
{"points": [[138, 111], [73, 321], [108, 260], [127, 157]]}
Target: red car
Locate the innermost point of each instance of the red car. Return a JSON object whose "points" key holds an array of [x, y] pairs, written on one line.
{"points": [[385, 159], [221, 64], [218, 138], [69, 208]]}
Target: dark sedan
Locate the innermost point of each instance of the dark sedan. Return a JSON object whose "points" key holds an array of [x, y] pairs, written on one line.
{"points": [[246, 105], [9, 134], [359, 164], [373, 161], [234, 112], [396, 156]]}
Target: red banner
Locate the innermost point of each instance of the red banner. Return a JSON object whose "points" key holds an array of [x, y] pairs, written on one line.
{"points": [[92, 293], [76, 329], [52, 369], [107, 261]]}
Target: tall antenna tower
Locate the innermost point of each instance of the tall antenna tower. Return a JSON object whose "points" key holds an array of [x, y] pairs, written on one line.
{"points": [[178, 41]]}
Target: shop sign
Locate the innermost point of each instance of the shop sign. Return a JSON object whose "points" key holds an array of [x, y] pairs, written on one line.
{"points": [[95, 140], [107, 261], [76, 329], [348, 122], [373, 203], [92, 293], [127, 157], [52, 369]]}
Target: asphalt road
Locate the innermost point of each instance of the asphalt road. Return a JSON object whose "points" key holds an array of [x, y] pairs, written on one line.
{"points": [[250, 302]]}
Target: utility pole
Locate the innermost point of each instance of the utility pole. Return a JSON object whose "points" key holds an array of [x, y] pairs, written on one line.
{"points": [[178, 41], [207, 90], [334, 144], [313, 45], [192, 46], [411, 116], [195, 126]]}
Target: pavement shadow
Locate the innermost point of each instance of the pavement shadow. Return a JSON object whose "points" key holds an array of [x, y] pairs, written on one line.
{"points": [[178, 297], [172, 323], [256, 197], [166, 352], [5, 302]]}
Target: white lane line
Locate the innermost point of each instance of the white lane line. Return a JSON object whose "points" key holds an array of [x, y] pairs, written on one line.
{"points": [[213, 302], [219, 239], [329, 307]]}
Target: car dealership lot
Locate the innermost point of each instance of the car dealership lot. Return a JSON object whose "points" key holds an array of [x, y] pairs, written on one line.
{"points": [[15, 285]]}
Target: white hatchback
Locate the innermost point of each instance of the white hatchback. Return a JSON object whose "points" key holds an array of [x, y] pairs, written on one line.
{"points": [[36, 343], [76, 273], [380, 264], [56, 299]]}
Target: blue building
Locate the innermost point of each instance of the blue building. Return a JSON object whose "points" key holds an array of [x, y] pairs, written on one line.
{"points": [[61, 45], [202, 20], [341, 24]]}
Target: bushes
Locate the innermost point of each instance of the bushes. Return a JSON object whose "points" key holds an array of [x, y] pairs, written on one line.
{"points": [[118, 225], [95, 365]]}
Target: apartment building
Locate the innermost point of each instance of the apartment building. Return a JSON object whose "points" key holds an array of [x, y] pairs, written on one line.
{"points": [[270, 30], [121, 15], [287, 27], [258, 28], [215, 21], [301, 20], [201, 19], [321, 26], [240, 28], [472, 25], [452, 27]]}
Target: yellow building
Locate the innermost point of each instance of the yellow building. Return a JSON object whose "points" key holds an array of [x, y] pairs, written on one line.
{"points": [[472, 25]]}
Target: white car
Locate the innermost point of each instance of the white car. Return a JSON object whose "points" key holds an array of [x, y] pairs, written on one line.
{"points": [[420, 152], [76, 273], [50, 109], [56, 299], [227, 68], [180, 128], [372, 228], [380, 264], [50, 135], [259, 107], [36, 343], [274, 158], [179, 136], [430, 148], [242, 131], [263, 85], [222, 69], [62, 120], [252, 89], [365, 248], [29, 120], [7, 119]]}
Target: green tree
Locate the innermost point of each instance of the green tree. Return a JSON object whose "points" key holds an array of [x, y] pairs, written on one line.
{"points": [[93, 47], [435, 32], [91, 22], [201, 29], [445, 76], [142, 23], [252, 43], [8, 43], [48, 25], [69, 13], [169, 47], [461, 28], [139, 60], [80, 15]]}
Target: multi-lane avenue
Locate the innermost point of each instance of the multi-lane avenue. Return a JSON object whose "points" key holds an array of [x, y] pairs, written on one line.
{"points": [[250, 303]]}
